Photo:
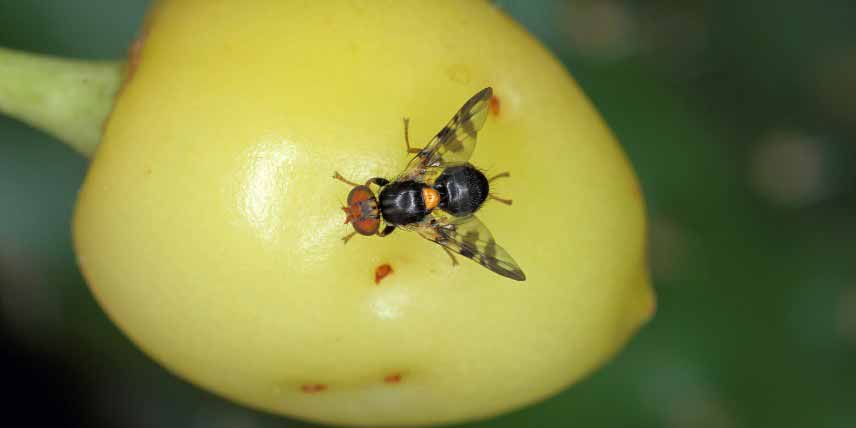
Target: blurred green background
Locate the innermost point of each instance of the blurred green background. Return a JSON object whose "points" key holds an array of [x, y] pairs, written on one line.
{"points": [[739, 118]]}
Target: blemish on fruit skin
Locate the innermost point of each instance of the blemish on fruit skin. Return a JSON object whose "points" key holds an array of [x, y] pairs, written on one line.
{"points": [[312, 388], [134, 56], [392, 378], [382, 272], [494, 105], [131, 65]]}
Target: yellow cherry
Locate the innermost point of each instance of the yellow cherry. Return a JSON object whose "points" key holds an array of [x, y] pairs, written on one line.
{"points": [[209, 224]]}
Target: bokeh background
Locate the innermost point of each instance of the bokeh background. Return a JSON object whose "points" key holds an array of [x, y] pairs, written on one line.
{"points": [[739, 117]]}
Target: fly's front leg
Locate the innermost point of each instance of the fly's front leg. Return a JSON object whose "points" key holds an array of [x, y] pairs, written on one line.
{"points": [[339, 177], [386, 230], [348, 237], [379, 181]]}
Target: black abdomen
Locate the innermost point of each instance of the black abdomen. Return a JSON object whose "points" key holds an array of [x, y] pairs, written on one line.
{"points": [[401, 203], [463, 189]]}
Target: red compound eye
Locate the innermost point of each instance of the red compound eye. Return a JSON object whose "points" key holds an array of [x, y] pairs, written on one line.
{"points": [[367, 226], [359, 194], [365, 221]]}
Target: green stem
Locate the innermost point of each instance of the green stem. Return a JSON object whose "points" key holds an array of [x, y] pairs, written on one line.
{"points": [[69, 99]]}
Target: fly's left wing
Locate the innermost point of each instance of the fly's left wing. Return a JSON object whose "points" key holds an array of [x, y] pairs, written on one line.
{"points": [[454, 144], [469, 237]]}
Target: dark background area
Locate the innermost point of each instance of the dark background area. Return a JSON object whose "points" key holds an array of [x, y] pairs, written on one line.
{"points": [[739, 118]]}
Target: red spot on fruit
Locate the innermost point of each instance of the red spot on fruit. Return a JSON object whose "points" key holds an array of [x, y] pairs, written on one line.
{"points": [[134, 54], [131, 65], [311, 388], [382, 272], [494, 105], [393, 378]]}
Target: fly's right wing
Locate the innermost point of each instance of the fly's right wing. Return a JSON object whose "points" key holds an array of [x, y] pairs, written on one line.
{"points": [[469, 237]]}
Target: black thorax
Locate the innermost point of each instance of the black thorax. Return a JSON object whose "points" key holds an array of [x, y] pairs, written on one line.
{"points": [[401, 203]]}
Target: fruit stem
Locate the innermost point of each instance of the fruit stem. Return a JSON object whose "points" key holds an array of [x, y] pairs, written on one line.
{"points": [[66, 98]]}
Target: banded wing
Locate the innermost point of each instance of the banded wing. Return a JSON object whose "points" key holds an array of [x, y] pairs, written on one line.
{"points": [[454, 144], [469, 237]]}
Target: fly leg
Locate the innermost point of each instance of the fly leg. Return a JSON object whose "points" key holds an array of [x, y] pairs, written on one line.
{"points": [[494, 197], [348, 237], [500, 175], [407, 137], [376, 180], [339, 177], [451, 255], [379, 181], [498, 199]]}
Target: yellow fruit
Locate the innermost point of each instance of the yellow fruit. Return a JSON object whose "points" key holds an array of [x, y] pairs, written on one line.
{"points": [[209, 225]]}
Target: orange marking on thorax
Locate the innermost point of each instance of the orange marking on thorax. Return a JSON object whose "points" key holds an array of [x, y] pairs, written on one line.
{"points": [[382, 272], [431, 197]]}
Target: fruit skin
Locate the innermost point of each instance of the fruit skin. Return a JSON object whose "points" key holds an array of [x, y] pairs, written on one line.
{"points": [[208, 225]]}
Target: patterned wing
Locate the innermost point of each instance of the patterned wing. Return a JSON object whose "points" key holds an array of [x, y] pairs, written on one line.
{"points": [[469, 237], [454, 144]]}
